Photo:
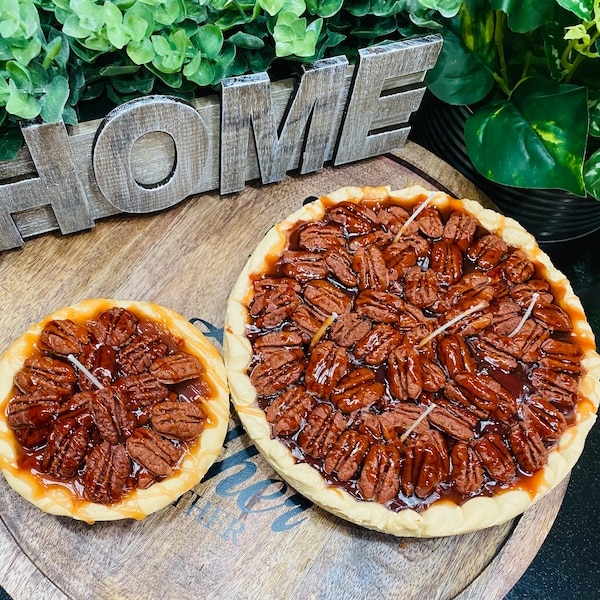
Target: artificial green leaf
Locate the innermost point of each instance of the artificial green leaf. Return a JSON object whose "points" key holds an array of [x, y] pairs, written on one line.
{"points": [[19, 75], [4, 91], [203, 74], [324, 8], [594, 108], [11, 141], [584, 9], [54, 100], [139, 21], [142, 52], [166, 12], [21, 104], [210, 38], [246, 40], [118, 70], [447, 8], [534, 140], [525, 15], [460, 76], [591, 175], [271, 6], [69, 115], [26, 54], [296, 7]]}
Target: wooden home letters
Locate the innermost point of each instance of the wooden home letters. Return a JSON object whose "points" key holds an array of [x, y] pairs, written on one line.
{"points": [[151, 153]]}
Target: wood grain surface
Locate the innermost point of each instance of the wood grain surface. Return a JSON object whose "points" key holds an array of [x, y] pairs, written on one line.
{"points": [[242, 533]]}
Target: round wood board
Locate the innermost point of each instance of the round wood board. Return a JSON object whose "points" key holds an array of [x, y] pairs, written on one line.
{"points": [[242, 533]]}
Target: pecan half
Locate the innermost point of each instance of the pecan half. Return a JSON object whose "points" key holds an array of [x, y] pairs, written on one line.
{"points": [[498, 351], [287, 412], [379, 478], [430, 222], [281, 369], [388, 425], [325, 298], [405, 378], [455, 356], [552, 316], [327, 364], [142, 390], [383, 307], [113, 420], [323, 426], [423, 465], [275, 299], [527, 446], [153, 452], [447, 261], [347, 455], [32, 410], [460, 229], [64, 337], [178, 420], [354, 218], [375, 347], [101, 361], [467, 471], [518, 268], [530, 339], [77, 407], [421, 287], [106, 472], [450, 424], [46, 373], [339, 262], [547, 379], [522, 293], [488, 250], [176, 368], [357, 389], [393, 219], [303, 266], [399, 257], [370, 266], [549, 422], [561, 356], [348, 329], [317, 237], [137, 355], [114, 327], [65, 451], [496, 458]]}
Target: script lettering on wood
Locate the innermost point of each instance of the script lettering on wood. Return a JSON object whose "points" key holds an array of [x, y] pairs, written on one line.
{"points": [[65, 178], [361, 135], [246, 108], [56, 183], [115, 142]]}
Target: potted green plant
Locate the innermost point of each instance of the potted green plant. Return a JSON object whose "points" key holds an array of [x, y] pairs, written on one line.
{"points": [[76, 59], [524, 80]]}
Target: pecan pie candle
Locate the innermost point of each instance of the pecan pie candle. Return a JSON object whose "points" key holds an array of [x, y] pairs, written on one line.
{"points": [[411, 362], [110, 409]]}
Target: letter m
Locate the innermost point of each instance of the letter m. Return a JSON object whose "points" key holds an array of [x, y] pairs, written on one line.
{"points": [[248, 107]]}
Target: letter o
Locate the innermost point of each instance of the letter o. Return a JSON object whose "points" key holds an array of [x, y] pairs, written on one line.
{"points": [[115, 140]]}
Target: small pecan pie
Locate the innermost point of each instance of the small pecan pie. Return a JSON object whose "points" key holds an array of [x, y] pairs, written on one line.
{"points": [[110, 409], [411, 362]]}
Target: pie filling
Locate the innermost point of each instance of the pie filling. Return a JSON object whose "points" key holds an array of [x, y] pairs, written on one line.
{"points": [[124, 425], [410, 355]]}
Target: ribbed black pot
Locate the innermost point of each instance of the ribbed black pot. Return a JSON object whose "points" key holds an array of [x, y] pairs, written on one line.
{"points": [[550, 215]]}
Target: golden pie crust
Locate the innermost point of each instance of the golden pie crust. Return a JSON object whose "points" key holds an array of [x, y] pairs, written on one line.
{"points": [[59, 500], [443, 517]]}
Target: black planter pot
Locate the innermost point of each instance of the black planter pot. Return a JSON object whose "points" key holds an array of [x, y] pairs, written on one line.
{"points": [[550, 215]]}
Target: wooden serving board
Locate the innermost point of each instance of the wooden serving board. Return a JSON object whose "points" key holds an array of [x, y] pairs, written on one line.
{"points": [[242, 533]]}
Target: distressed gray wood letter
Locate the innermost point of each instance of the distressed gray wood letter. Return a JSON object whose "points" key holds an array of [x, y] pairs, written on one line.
{"points": [[361, 136], [118, 134], [57, 184], [246, 107]]}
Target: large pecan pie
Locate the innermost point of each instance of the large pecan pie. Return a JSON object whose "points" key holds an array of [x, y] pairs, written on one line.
{"points": [[110, 409], [411, 362]]}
